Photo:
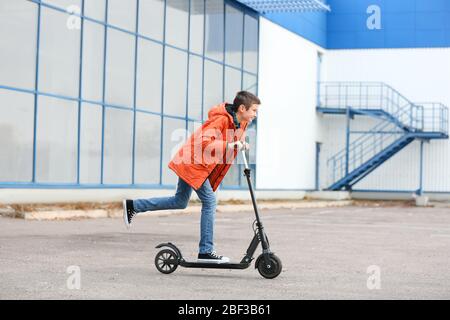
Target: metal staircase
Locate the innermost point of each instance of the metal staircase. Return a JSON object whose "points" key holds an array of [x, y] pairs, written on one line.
{"points": [[399, 123]]}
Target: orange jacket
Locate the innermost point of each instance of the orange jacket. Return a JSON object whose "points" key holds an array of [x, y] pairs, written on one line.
{"points": [[205, 154]]}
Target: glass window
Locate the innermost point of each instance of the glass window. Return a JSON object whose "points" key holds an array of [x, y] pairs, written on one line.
{"points": [[149, 76], [148, 148], [196, 25], [177, 16], [232, 176], [251, 139], [175, 81], [191, 84], [214, 30], [213, 86], [92, 76], [94, 9], [174, 135], [250, 83], [59, 54], [56, 140], [233, 36], [195, 87], [118, 146], [63, 3], [151, 18], [18, 33], [251, 44], [90, 143], [192, 127], [120, 68], [122, 14], [16, 132], [232, 83]]}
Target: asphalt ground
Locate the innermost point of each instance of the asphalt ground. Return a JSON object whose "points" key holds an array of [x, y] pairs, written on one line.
{"points": [[331, 253]]}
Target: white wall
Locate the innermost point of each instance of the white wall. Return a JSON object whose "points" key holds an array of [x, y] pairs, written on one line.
{"points": [[421, 75], [287, 121]]}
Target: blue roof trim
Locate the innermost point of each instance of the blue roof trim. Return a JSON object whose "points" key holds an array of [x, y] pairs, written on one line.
{"points": [[362, 24], [274, 6]]}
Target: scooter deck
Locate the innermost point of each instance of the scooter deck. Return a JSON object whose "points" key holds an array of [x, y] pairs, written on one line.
{"points": [[212, 265]]}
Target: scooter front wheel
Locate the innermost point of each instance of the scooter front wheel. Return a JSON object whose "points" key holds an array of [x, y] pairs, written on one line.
{"points": [[166, 261], [271, 270]]}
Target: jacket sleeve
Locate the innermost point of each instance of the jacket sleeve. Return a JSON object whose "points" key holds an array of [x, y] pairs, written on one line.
{"points": [[214, 134], [214, 142]]}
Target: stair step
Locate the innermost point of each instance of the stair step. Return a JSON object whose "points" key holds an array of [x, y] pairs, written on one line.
{"points": [[386, 154]]}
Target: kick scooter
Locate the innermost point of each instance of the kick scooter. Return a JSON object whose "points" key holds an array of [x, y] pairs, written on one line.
{"points": [[268, 264]]}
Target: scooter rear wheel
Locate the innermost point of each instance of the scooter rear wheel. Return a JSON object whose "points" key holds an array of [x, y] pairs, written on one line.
{"points": [[272, 270], [166, 261]]}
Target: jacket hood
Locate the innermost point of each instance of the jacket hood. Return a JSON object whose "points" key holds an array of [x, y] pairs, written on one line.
{"points": [[219, 111]]}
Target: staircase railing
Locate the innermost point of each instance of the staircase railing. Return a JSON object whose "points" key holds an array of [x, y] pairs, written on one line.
{"points": [[399, 117], [435, 117], [370, 96], [362, 149]]}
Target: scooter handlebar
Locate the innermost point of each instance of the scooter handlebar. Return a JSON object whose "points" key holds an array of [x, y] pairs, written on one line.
{"points": [[245, 159]]}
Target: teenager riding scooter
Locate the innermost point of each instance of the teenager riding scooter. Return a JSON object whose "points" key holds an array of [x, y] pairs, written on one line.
{"points": [[201, 164]]}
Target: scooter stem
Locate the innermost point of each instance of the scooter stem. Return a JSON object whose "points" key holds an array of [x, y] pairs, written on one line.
{"points": [[262, 236], [245, 159]]}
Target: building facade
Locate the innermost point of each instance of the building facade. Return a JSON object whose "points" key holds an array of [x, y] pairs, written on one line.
{"points": [[373, 45], [100, 93]]}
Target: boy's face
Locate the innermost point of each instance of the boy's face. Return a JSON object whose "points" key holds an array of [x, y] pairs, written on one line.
{"points": [[250, 114]]}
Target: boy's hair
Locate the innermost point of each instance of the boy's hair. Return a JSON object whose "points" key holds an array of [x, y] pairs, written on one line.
{"points": [[246, 98]]}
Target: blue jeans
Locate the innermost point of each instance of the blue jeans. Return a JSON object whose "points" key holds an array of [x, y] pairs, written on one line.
{"points": [[180, 201]]}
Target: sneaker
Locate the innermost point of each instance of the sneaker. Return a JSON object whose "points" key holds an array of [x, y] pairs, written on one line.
{"points": [[212, 257], [128, 212]]}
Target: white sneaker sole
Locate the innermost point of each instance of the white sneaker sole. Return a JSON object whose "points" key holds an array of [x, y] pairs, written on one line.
{"points": [[213, 261], [125, 215]]}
